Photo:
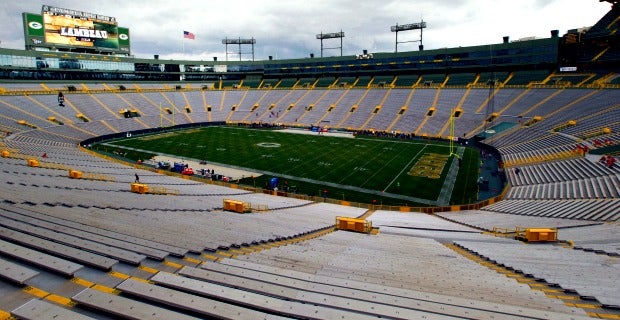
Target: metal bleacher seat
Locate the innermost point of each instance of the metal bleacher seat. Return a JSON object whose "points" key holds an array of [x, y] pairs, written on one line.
{"points": [[125, 307], [330, 292], [270, 296], [395, 100], [61, 250], [582, 102], [121, 239], [336, 259], [44, 260], [446, 102], [566, 209], [147, 251], [173, 250], [200, 305], [572, 269], [487, 219], [15, 272], [42, 310], [100, 248]]}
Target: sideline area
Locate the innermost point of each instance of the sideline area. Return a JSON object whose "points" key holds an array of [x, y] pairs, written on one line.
{"points": [[315, 133], [232, 173], [229, 171]]}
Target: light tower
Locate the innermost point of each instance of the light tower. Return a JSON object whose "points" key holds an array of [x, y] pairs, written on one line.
{"points": [[411, 26], [334, 35], [226, 41]]}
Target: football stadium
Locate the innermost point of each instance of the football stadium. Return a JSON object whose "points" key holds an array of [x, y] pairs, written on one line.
{"points": [[477, 182]]}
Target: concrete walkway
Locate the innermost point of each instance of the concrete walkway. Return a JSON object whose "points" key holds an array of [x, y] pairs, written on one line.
{"points": [[489, 171], [448, 184]]}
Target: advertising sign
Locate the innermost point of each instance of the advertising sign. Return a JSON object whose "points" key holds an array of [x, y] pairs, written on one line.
{"points": [[73, 28], [67, 29]]}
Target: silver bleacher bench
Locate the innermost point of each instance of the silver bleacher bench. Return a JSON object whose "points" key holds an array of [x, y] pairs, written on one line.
{"points": [[125, 307], [16, 272], [58, 249], [36, 309], [44, 260]]}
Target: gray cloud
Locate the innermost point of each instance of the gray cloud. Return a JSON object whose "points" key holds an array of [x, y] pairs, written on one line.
{"points": [[287, 29]]}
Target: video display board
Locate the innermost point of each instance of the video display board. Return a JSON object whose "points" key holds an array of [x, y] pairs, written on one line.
{"points": [[66, 28]]}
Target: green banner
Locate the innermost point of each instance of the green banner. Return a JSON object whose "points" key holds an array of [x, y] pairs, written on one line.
{"points": [[123, 40], [34, 31]]}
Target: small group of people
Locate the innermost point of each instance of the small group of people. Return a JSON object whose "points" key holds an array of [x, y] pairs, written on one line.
{"points": [[206, 172], [608, 161], [603, 142], [120, 152], [581, 149]]}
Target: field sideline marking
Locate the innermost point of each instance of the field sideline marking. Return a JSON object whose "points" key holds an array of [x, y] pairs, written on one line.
{"points": [[405, 167], [407, 141], [377, 191], [388, 162]]}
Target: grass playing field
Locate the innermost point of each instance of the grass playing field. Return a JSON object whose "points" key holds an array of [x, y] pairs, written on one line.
{"points": [[355, 169]]}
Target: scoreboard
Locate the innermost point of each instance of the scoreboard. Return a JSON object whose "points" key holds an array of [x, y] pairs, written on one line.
{"points": [[66, 29]]}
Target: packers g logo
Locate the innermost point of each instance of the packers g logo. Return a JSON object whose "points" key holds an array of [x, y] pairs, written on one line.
{"points": [[123, 36], [268, 145], [35, 25]]}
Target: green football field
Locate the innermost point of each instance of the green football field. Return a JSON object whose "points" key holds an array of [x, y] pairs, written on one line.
{"points": [[358, 169]]}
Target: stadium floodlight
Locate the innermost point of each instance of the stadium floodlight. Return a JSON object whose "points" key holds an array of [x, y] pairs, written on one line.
{"points": [[330, 35], [410, 26], [238, 41], [406, 27], [333, 35]]}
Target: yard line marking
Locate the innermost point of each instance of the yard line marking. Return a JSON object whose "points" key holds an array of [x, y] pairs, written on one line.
{"points": [[408, 165], [347, 164], [385, 165]]}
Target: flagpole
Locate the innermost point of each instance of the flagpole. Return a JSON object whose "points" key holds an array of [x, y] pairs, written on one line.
{"points": [[183, 42]]}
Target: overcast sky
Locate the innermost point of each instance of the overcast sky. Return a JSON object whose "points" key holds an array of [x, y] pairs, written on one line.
{"points": [[287, 29]]}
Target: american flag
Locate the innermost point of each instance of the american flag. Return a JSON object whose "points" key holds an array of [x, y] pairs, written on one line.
{"points": [[188, 35]]}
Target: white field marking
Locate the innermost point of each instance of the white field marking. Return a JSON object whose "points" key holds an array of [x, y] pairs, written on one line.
{"points": [[408, 165], [377, 171], [268, 144]]}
